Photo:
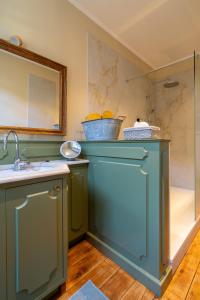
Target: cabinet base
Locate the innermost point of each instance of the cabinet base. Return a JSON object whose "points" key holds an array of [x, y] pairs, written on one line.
{"points": [[72, 243], [63, 288], [151, 282]]}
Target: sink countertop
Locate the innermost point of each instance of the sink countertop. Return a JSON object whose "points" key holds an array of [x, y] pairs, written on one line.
{"points": [[37, 170], [75, 161]]}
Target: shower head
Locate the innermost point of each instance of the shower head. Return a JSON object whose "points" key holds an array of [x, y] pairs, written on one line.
{"points": [[171, 83]]}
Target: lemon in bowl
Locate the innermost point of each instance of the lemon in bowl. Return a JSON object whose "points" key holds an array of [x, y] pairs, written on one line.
{"points": [[93, 116], [107, 115]]}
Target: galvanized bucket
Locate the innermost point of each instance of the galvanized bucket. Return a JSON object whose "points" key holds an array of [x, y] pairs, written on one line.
{"points": [[102, 129]]}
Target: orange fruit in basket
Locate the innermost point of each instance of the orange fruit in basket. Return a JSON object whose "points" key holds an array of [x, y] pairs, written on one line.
{"points": [[93, 116], [107, 115]]}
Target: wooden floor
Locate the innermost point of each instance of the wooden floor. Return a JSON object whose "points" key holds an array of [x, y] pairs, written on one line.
{"points": [[86, 262]]}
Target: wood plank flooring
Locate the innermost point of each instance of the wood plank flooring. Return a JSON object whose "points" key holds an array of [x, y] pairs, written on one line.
{"points": [[87, 263]]}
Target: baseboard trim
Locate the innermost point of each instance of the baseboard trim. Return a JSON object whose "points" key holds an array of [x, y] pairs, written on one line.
{"points": [[151, 282]]}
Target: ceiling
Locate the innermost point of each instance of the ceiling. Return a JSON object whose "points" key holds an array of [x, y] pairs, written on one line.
{"points": [[158, 31]]}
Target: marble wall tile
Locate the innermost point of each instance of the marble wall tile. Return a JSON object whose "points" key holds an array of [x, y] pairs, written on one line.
{"points": [[174, 113], [107, 86]]}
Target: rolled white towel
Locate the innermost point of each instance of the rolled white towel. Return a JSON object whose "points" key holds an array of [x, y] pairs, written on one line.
{"points": [[139, 123]]}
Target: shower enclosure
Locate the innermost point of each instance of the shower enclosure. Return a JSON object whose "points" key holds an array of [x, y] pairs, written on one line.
{"points": [[173, 104]]}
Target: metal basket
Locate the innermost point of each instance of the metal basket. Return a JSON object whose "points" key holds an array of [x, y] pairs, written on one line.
{"points": [[133, 133]]}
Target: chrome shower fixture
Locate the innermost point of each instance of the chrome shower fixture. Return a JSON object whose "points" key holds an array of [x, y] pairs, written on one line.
{"points": [[171, 83]]}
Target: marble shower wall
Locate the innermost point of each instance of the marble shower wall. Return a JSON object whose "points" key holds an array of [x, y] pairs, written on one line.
{"points": [[107, 86], [173, 112]]}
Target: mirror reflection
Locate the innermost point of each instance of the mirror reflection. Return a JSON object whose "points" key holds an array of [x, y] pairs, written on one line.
{"points": [[32, 91], [29, 93]]}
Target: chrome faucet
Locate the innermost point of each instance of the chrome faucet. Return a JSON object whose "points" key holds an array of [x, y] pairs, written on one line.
{"points": [[18, 163]]}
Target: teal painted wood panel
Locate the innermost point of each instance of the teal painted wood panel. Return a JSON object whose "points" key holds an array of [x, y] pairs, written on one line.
{"points": [[40, 151], [77, 220], [152, 266], [150, 263], [35, 207], [119, 152], [78, 202], [65, 220], [34, 239], [3, 294], [31, 150], [164, 207], [118, 213]]}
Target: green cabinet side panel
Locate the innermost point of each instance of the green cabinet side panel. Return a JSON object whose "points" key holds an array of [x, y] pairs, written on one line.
{"points": [[34, 239], [118, 212], [3, 295], [78, 202], [164, 206], [129, 206]]}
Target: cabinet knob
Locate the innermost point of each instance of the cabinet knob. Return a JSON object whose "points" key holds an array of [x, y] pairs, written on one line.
{"points": [[57, 188]]}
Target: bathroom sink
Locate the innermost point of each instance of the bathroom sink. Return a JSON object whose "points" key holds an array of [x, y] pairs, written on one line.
{"points": [[33, 170]]}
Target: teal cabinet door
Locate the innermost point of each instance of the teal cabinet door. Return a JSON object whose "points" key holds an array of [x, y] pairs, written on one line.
{"points": [[78, 202], [35, 264], [118, 212], [2, 247]]}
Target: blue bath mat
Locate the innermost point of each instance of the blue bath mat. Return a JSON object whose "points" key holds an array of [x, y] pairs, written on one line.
{"points": [[88, 292]]}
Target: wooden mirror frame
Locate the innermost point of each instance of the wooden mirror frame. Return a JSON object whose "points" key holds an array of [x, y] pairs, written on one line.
{"points": [[22, 52]]}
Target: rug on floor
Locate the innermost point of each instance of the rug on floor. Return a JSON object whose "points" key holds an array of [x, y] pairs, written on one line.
{"points": [[88, 292]]}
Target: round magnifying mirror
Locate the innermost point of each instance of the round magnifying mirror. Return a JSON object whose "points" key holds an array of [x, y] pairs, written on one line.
{"points": [[70, 149]]}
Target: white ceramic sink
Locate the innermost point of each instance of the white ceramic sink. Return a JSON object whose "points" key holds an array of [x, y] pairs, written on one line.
{"points": [[34, 170]]}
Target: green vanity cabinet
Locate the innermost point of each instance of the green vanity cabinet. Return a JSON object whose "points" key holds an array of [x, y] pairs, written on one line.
{"points": [[35, 245], [3, 295], [129, 206], [78, 201]]}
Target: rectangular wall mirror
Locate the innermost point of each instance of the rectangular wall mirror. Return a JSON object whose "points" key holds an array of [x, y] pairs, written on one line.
{"points": [[32, 92]]}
